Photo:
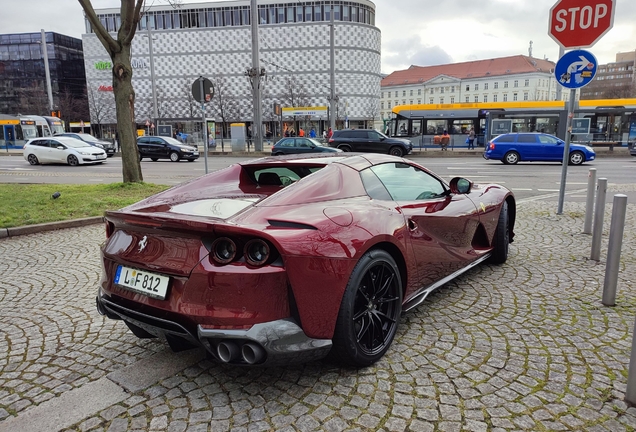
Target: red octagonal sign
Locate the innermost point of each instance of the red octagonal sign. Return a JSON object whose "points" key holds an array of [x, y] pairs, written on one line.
{"points": [[580, 23]]}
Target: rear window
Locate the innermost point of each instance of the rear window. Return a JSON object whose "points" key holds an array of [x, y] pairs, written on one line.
{"points": [[527, 139], [504, 138]]}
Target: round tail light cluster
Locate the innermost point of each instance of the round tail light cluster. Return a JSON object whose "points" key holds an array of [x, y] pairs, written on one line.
{"points": [[257, 252]]}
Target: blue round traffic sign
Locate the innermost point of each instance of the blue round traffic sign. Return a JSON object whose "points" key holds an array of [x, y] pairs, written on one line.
{"points": [[576, 69]]}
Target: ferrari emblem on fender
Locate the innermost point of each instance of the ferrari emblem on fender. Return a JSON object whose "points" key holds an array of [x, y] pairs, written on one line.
{"points": [[142, 244]]}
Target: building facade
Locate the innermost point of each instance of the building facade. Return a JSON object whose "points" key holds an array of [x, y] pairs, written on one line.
{"points": [[613, 80], [214, 40], [501, 79], [22, 73]]}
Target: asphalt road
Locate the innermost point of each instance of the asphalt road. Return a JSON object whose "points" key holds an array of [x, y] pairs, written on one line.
{"points": [[527, 180]]}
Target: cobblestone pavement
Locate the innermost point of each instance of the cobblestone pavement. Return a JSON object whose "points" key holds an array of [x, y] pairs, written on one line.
{"points": [[523, 346]]}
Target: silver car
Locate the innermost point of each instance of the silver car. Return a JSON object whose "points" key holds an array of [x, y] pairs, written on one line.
{"points": [[62, 149]]}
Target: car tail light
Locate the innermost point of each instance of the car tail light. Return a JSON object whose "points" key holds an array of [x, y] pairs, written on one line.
{"points": [[223, 250], [257, 252], [491, 146], [110, 228]]}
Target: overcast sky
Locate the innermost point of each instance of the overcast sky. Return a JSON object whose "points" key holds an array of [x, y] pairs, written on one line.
{"points": [[419, 32]]}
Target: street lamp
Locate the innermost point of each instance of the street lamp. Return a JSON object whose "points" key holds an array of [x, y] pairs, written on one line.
{"points": [[45, 56]]}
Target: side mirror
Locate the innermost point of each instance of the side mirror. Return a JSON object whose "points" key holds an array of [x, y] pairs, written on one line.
{"points": [[60, 147], [459, 185]]}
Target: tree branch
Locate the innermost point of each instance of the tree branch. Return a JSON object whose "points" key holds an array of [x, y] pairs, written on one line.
{"points": [[102, 34], [133, 20]]}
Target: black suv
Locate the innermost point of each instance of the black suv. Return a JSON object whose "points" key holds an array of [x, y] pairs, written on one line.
{"points": [[156, 147], [369, 141]]}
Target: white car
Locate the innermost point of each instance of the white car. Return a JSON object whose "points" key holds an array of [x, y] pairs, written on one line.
{"points": [[62, 150]]}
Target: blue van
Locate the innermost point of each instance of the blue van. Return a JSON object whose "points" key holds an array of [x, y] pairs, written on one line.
{"points": [[512, 148]]}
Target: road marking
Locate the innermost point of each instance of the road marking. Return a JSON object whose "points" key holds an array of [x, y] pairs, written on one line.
{"points": [[548, 190], [521, 189]]}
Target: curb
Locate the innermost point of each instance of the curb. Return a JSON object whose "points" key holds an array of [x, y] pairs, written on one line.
{"points": [[49, 226]]}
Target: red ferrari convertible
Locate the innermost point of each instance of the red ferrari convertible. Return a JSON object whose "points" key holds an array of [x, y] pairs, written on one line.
{"points": [[293, 258]]}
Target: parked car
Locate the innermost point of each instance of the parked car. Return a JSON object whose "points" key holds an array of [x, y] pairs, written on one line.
{"points": [[62, 149], [369, 141], [108, 146], [289, 258], [300, 145], [512, 148], [157, 147]]}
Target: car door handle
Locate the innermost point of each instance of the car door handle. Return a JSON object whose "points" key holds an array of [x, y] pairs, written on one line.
{"points": [[412, 225]]}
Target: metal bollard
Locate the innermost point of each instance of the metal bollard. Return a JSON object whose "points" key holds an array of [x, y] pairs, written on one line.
{"points": [[617, 227], [630, 391], [599, 212], [589, 203]]}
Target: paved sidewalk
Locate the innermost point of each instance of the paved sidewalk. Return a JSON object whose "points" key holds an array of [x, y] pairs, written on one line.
{"points": [[523, 346]]}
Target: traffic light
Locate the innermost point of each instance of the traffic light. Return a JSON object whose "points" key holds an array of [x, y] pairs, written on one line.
{"points": [[57, 114]]}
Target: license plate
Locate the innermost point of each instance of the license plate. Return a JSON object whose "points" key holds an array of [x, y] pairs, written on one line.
{"points": [[150, 284]]}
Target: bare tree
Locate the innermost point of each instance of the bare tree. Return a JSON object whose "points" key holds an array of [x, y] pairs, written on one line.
{"points": [[371, 111], [295, 95], [622, 91], [225, 105], [71, 107], [34, 100], [119, 52], [188, 99], [102, 108]]}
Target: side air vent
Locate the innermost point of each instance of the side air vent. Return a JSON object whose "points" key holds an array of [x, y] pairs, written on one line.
{"points": [[290, 225]]}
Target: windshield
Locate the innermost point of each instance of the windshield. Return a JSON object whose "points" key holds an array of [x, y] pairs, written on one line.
{"points": [[57, 129], [87, 137], [316, 143], [176, 142], [74, 143], [29, 132]]}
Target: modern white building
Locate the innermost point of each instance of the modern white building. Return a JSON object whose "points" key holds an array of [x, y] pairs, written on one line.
{"points": [[214, 40], [503, 79]]}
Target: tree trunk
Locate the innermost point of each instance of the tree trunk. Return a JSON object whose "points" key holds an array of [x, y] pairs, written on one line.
{"points": [[126, 126]]}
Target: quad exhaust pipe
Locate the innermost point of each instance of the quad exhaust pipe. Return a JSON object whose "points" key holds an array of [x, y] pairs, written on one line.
{"points": [[252, 353], [227, 351]]}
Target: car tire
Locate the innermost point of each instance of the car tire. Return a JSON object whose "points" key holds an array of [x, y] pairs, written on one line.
{"points": [[72, 160], [154, 159], [501, 241], [576, 158], [396, 151], [372, 299], [33, 159], [511, 158], [345, 148], [174, 157]]}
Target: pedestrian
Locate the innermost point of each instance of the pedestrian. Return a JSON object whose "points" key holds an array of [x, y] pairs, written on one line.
{"points": [[312, 133], [329, 133], [249, 136], [301, 132], [445, 140], [324, 134], [471, 139]]}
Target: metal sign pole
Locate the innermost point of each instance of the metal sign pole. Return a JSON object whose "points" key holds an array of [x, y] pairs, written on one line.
{"points": [[205, 128], [566, 151]]}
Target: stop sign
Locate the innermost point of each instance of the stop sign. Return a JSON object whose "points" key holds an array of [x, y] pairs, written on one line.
{"points": [[580, 23]]}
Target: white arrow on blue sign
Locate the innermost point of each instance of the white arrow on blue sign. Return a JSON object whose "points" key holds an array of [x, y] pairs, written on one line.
{"points": [[576, 69]]}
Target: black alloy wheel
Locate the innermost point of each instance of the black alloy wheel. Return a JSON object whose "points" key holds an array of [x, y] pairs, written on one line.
{"points": [[501, 240], [345, 148], [370, 311], [72, 160], [396, 151], [33, 159]]}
